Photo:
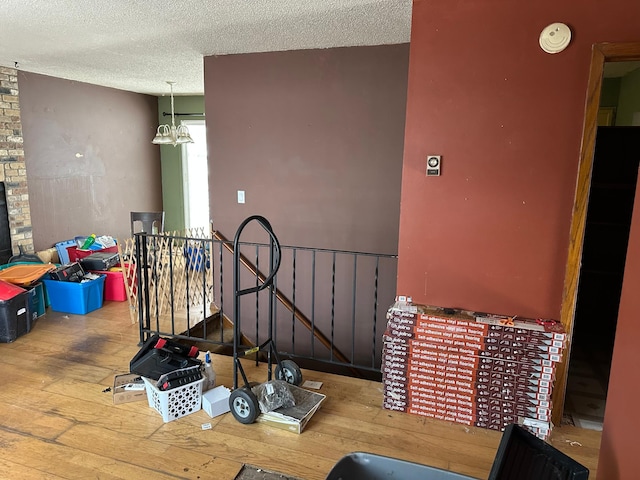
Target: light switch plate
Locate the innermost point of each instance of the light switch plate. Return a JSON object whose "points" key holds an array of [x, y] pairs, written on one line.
{"points": [[240, 196]]}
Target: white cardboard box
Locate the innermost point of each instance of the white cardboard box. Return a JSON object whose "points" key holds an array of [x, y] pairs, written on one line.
{"points": [[216, 401]]}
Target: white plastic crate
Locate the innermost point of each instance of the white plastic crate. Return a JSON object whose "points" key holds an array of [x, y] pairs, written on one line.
{"points": [[177, 402]]}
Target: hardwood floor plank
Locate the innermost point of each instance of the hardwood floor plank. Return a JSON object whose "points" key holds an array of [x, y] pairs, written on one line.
{"points": [[255, 445], [27, 421], [161, 457], [10, 469], [59, 461]]}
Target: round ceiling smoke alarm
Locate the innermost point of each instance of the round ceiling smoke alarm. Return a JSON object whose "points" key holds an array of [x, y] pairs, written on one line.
{"points": [[555, 37]]}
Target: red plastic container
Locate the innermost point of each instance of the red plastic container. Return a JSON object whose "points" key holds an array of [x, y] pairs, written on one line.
{"points": [[9, 290], [114, 288], [76, 254]]}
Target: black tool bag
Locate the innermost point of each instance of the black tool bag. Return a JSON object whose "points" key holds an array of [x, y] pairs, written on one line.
{"points": [[100, 261], [161, 355]]}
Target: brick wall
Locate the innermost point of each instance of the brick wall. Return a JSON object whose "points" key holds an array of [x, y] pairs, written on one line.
{"points": [[12, 165]]}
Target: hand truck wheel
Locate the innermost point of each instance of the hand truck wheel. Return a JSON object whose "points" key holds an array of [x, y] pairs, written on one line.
{"points": [[244, 405], [289, 371]]}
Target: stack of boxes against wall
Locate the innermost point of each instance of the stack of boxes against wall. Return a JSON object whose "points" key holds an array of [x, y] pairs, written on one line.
{"points": [[476, 369]]}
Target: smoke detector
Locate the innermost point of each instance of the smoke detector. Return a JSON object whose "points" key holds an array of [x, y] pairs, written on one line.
{"points": [[555, 37]]}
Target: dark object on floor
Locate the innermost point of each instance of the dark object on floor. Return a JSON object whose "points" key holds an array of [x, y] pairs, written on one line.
{"points": [[249, 472], [523, 456], [360, 465]]}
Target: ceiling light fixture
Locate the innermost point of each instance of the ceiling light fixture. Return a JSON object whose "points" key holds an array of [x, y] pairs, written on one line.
{"points": [[170, 134]]}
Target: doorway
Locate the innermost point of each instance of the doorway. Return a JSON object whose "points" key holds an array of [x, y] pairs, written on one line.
{"points": [[607, 226], [601, 53], [195, 176]]}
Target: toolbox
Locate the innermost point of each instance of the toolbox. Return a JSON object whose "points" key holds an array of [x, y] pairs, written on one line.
{"points": [[71, 272], [160, 355], [100, 261]]}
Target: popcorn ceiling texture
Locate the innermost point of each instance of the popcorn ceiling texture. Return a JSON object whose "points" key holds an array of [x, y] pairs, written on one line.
{"points": [[138, 46]]}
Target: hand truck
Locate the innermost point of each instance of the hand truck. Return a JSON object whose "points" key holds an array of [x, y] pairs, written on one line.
{"points": [[243, 403]]}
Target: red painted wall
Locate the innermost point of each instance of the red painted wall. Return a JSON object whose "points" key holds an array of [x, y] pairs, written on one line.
{"points": [[492, 232], [619, 446]]}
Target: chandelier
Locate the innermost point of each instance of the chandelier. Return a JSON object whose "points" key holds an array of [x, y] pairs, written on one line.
{"points": [[170, 134]]}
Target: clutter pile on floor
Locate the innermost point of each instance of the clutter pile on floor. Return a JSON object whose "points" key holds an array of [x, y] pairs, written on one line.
{"points": [[177, 383]]}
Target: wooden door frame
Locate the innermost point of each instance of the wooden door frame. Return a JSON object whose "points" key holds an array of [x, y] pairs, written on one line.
{"points": [[601, 53]]}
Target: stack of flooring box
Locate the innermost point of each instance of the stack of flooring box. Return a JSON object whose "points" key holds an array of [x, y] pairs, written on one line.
{"points": [[472, 368]]}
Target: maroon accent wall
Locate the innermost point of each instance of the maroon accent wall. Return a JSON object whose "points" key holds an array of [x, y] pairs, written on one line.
{"points": [[492, 232], [89, 157], [314, 138], [619, 445]]}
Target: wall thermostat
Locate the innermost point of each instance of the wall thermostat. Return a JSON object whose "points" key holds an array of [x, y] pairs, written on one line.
{"points": [[434, 162]]}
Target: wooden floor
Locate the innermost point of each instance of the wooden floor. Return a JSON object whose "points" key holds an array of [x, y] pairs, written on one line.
{"points": [[58, 422]]}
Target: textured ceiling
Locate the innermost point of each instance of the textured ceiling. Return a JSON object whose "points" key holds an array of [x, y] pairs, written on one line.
{"points": [[138, 45]]}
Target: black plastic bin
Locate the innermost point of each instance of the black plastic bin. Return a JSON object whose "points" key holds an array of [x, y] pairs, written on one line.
{"points": [[360, 465], [523, 456], [15, 316]]}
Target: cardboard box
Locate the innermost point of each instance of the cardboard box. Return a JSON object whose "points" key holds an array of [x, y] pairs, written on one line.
{"points": [[216, 401], [128, 387], [295, 418]]}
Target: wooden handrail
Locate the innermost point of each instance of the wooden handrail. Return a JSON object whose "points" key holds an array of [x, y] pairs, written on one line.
{"points": [[285, 301]]}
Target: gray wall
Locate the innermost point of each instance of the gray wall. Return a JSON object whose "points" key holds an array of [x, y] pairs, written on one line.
{"points": [[314, 138], [89, 157]]}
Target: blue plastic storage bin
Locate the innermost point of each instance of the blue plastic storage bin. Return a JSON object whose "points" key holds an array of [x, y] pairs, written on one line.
{"points": [[61, 247], [78, 298]]}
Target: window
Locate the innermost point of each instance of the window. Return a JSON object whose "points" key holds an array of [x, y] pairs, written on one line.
{"points": [[195, 175]]}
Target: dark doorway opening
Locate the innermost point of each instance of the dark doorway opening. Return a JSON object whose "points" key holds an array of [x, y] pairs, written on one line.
{"points": [[5, 232], [608, 221]]}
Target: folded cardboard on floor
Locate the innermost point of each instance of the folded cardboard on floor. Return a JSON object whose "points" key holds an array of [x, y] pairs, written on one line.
{"points": [[128, 387]]}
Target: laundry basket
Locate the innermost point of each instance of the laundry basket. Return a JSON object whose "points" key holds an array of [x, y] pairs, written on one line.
{"points": [[177, 402]]}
